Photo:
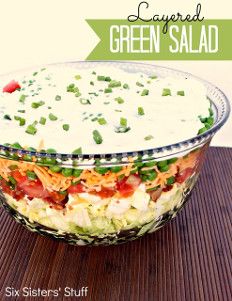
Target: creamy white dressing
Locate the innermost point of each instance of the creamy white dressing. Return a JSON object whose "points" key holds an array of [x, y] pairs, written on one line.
{"points": [[168, 119]]}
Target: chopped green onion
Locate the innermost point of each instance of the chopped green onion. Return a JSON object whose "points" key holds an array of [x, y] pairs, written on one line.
{"points": [[91, 83], [31, 175], [51, 151], [52, 117], [139, 84], [77, 77], [35, 73], [7, 117], [101, 170], [16, 145], [58, 97], [12, 180], [172, 160], [162, 163], [101, 77], [202, 130], [107, 79], [97, 137], [166, 92], [125, 86], [42, 120], [164, 168], [119, 100], [171, 180], [31, 129], [145, 92], [22, 98], [21, 111], [108, 90], [180, 93], [141, 111], [78, 93], [67, 172], [149, 137], [123, 122], [94, 73], [77, 173], [55, 168], [84, 101], [116, 168], [36, 105], [122, 129], [65, 127], [152, 76], [114, 84], [77, 151], [210, 112], [102, 121]]}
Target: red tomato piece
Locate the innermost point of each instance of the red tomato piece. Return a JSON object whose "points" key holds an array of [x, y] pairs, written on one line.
{"points": [[184, 175], [33, 189], [11, 87], [18, 176], [127, 186], [104, 193], [77, 188]]}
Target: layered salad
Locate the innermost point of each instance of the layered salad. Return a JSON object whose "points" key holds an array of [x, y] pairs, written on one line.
{"points": [[105, 110]]}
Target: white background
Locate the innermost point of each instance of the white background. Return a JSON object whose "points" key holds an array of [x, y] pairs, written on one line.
{"points": [[34, 32]]}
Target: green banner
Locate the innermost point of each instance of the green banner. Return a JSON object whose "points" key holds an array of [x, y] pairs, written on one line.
{"points": [[124, 40]]}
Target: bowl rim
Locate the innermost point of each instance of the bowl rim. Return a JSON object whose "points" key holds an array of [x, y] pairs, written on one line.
{"points": [[174, 147]]}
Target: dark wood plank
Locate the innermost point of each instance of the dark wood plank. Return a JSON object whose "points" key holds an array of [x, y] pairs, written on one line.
{"points": [[188, 259]]}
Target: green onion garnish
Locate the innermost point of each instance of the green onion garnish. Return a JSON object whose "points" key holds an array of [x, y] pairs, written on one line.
{"points": [[42, 120], [123, 122], [114, 84], [166, 92], [145, 92], [101, 77], [7, 117], [21, 111], [141, 111], [65, 127], [77, 77], [149, 137], [31, 175], [139, 84], [58, 97], [84, 101], [36, 105], [101, 121], [97, 137], [22, 98], [31, 129], [119, 100], [77, 151], [52, 117], [125, 86], [152, 76], [108, 90], [180, 93], [91, 83]]}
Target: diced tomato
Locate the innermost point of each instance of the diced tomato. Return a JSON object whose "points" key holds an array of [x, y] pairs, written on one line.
{"points": [[104, 193], [11, 87], [33, 189], [127, 186], [77, 188], [184, 175], [18, 176]]}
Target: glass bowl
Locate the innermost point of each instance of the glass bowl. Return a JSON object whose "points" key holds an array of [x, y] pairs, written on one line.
{"points": [[170, 173]]}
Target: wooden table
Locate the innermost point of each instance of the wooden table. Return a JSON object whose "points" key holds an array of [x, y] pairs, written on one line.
{"points": [[188, 259]]}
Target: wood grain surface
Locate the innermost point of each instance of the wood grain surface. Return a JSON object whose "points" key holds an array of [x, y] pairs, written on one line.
{"points": [[189, 259]]}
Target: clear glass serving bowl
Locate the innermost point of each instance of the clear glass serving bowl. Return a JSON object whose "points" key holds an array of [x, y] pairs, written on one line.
{"points": [[170, 172]]}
